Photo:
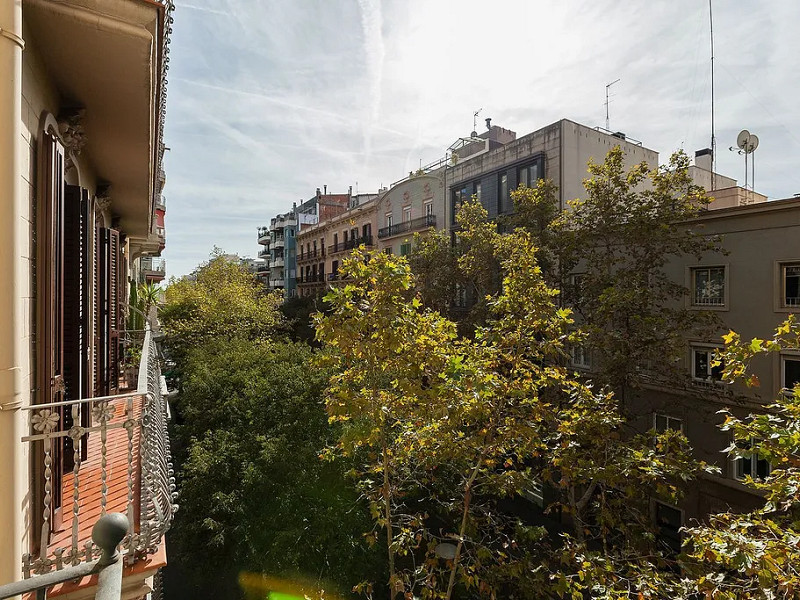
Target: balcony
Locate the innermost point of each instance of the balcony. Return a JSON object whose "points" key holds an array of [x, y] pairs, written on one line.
{"points": [[310, 257], [263, 253], [350, 244], [152, 268], [276, 283], [311, 279], [98, 455], [278, 242], [263, 235], [277, 262], [407, 226]]}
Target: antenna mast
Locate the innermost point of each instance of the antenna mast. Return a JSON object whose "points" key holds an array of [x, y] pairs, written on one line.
{"points": [[475, 122], [608, 86], [713, 131]]}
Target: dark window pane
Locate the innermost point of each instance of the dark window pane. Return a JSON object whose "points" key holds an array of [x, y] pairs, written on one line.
{"points": [[791, 372]]}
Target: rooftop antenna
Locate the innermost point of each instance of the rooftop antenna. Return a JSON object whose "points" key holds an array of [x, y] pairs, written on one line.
{"points": [[713, 130], [475, 122], [608, 86]]}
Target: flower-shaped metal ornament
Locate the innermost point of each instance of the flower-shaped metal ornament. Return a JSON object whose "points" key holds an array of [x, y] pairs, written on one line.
{"points": [[45, 420], [103, 412]]}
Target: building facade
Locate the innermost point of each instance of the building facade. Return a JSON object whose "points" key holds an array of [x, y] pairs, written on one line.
{"points": [[411, 206], [322, 246], [81, 151]]}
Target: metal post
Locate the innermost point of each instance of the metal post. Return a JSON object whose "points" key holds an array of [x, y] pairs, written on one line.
{"points": [[107, 533]]}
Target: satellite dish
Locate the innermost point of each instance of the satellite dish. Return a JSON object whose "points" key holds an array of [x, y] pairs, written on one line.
{"points": [[747, 141]]}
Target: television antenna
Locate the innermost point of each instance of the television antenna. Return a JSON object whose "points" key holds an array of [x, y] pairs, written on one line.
{"points": [[608, 86], [475, 122]]}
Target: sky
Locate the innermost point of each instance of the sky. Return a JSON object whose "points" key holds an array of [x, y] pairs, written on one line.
{"points": [[270, 99]]}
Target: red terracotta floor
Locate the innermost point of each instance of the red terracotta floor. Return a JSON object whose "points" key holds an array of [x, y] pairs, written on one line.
{"points": [[89, 481]]}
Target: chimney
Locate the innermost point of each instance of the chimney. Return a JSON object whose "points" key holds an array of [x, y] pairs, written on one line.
{"points": [[702, 159], [318, 193], [489, 123], [325, 187], [350, 190]]}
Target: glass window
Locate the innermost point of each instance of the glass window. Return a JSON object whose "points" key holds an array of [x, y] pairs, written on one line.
{"points": [[751, 465], [477, 189], [388, 219], [663, 422], [668, 522], [580, 357], [708, 286], [406, 214], [791, 371], [503, 203], [428, 209], [405, 249], [790, 283], [701, 365], [529, 175]]}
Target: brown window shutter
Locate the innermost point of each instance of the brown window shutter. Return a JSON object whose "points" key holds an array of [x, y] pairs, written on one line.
{"points": [[50, 294]]}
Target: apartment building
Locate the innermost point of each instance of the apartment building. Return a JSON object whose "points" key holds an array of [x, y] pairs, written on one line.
{"points": [[410, 206], [81, 146], [322, 246], [752, 288]]}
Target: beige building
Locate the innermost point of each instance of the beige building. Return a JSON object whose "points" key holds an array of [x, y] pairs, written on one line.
{"points": [[752, 288], [410, 206], [81, 119], [322, 246]]}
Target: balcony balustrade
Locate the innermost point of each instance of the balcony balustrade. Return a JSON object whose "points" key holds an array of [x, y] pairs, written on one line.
{"points": [[153, 265], [350, 244], [263, 235], [277, 262], [102, 455], [311, 279], [407, 226]]}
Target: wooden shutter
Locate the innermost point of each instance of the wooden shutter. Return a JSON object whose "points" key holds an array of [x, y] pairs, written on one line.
{"points": [[107, 314], [50, 288], [76, 310]]}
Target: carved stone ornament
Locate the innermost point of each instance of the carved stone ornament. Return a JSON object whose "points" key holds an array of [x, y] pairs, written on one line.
{"points": [[70, 127], [103, 198]]}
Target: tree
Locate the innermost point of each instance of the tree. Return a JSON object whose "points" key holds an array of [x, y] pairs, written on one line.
{"points": [[756, 555], [445, 429], [619, 239], [254, 494], [222, 301], [149, 295], [434, 261]]}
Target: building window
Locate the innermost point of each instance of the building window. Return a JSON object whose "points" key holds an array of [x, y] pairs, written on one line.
{"points": [[315, 247], [668, 521], [663, 422], [405, 249], [406, 214], [502, 194], [529, 175], [790, 371], [388, 219], [428, 209], [790, 284], [751, 464], [580, 357], [708, 286], [702, 370], [478, 190]]}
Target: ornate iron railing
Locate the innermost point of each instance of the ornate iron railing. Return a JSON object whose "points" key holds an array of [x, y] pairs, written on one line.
{"points": [[115, 458], [406, 226]]}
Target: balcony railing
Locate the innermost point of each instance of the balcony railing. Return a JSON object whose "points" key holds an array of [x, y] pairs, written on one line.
{"points": [[406, 226], [153, 264], [99, 455], [350, 244], [317, 278], [277, 262], [263, 234]]}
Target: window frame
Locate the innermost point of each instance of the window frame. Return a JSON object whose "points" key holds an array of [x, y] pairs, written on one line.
{"points": [[668, 418], [586, 363], [654, 515], [779, 295], [754, 460], [406, 214], [428, 208], [691, 285], [709, 348], [388, 219], [786, 356]]}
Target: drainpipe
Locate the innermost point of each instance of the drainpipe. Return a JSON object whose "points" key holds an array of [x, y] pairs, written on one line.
{"points": [[13, 460]]}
